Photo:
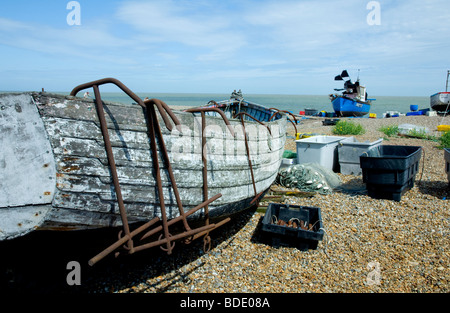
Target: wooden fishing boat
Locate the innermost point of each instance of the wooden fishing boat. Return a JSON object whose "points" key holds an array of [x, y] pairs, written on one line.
{"points": [[440, 101], [71, 163]]}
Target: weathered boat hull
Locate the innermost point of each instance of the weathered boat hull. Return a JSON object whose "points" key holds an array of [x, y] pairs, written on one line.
{"points": [[347, 107], [440, 101], [54, 171]]}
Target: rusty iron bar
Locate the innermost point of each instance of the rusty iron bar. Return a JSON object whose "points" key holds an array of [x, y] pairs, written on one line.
{"points": [[156, 127], [121, 241], [205, 168], [241, 114], [171, 238], [222, 222], [248, 155], [195, 110], [112, 165], [225, 119], [246, 114], [284, 111], [151, 120], [160, 104], [153, 131], [207, 239], [204, 161], [163, 108], [178, 218], [107, 80], [202, 111]]}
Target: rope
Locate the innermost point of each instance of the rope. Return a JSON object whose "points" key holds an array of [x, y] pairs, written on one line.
{"points": [[423, 166], [446, 110]]}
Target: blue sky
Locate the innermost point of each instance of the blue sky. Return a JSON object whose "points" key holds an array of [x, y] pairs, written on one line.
{"points": [[209, 46]]}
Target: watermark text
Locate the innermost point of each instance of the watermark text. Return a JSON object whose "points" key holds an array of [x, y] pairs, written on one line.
{"points": [[374, 16], [74, 16]]}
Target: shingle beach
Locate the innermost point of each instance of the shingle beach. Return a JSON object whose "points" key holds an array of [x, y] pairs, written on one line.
{"points": [[370, 245]]}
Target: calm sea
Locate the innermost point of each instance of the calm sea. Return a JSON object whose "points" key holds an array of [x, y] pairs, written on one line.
{"points": [[293, 103]]}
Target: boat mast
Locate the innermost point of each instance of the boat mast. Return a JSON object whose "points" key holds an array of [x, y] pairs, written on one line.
{"points": [[446, 83]]}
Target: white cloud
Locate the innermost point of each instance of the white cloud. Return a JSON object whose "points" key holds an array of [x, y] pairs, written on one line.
{"points": [[184, 23], [259, 43], [306, 25], [82, 42]]}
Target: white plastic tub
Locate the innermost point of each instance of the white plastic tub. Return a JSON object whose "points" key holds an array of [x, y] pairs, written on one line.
{"points": [[287, 162], [349, 151], [319, 149]]}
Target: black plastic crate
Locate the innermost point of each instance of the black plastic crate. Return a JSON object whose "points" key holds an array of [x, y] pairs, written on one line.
{"points": [[390, 165], [279, 235], [389, 171], [389, 192]]}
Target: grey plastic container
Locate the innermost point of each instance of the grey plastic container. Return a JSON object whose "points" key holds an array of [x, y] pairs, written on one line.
{"points": [[349, 151]]}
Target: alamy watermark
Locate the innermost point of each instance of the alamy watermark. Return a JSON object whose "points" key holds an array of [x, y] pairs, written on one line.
{"points": [[74, 16], [374, 16], [374, 276], [74, 276]]}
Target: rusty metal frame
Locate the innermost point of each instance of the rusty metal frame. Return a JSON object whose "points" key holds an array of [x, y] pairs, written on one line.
{"points": [[284, 111], [154, 131], [207, 239], [241, 116]]}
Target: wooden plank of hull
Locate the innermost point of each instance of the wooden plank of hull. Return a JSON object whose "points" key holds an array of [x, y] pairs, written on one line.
{"points": [[85, 195], [75, 219]]}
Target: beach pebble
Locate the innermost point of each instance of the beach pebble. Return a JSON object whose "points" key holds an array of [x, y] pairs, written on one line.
{"points": [[370, 245]]}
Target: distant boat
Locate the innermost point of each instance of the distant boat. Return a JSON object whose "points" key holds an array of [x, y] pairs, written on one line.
{"points": [[440, 101], [353, 100]]}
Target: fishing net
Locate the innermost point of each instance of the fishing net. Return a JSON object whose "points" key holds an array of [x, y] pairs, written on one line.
{"points": [[311, 177]]}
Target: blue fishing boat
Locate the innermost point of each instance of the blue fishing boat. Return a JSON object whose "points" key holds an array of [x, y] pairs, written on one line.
{"points": [[353, 101]]}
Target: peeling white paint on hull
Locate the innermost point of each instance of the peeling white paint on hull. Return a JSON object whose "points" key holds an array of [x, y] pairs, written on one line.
{"points": [[54, 172]]}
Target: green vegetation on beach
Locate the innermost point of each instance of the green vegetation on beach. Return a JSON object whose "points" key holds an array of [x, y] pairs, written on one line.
{"points": [[389, 131], [444, 140], [393, 131], [348, 128]]}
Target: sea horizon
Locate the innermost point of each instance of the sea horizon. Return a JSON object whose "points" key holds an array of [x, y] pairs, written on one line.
{"points": [[290, 102]]}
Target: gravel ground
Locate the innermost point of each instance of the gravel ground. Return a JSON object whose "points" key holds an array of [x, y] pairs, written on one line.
{"points": [[370, 245]]}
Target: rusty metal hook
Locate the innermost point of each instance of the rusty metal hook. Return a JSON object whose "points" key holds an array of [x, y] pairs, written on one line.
{"points": [[225, 119], [284, 111], [169, 246], [206, 243], [107, 80], [163, 108], [246, 114]]}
